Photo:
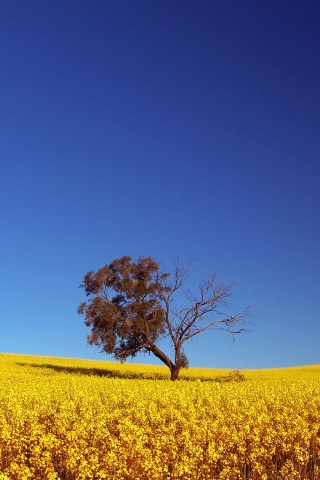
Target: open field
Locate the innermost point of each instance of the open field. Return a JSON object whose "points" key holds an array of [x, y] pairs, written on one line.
{"points": [[79, 419]]}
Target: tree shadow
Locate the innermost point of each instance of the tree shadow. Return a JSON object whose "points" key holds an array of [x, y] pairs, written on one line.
{"points": [[234, 376], [96, 372]]}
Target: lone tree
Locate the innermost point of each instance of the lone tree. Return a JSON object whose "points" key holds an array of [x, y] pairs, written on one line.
{"points": [[132, 307]]}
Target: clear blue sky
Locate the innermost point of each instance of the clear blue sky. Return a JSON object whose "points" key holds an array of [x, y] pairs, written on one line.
{"points": [[163, 129]]}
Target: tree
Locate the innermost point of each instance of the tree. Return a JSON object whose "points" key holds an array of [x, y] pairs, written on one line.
{"points": [[132, 307]]}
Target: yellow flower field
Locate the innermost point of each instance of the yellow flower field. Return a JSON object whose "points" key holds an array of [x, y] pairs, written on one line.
{"points": [[79, 419]]}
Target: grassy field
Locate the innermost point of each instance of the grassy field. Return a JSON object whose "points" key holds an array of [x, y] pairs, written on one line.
{"points": [[79, 419]]}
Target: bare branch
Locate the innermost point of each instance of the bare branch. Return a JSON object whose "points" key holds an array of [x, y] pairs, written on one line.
{"points": [[216, 324]]}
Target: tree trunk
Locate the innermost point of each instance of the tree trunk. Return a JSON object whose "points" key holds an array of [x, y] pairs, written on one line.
{"points": [[175, 369]]}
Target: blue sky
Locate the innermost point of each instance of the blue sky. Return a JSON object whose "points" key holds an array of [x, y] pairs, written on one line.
{"points": [[163, 129]]}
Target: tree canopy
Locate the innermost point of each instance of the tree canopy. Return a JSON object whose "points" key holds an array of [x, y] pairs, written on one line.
{"points": [[132, 306]]}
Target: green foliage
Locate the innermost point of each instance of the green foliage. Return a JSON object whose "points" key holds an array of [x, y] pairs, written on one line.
{"points": [[124, 310], [235, 376], [184, 362]]}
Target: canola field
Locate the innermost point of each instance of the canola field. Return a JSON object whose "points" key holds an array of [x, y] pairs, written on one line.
{"points": [[81, 420]]}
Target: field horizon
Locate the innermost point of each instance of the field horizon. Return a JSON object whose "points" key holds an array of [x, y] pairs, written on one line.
{"points": [[186, 373]]}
